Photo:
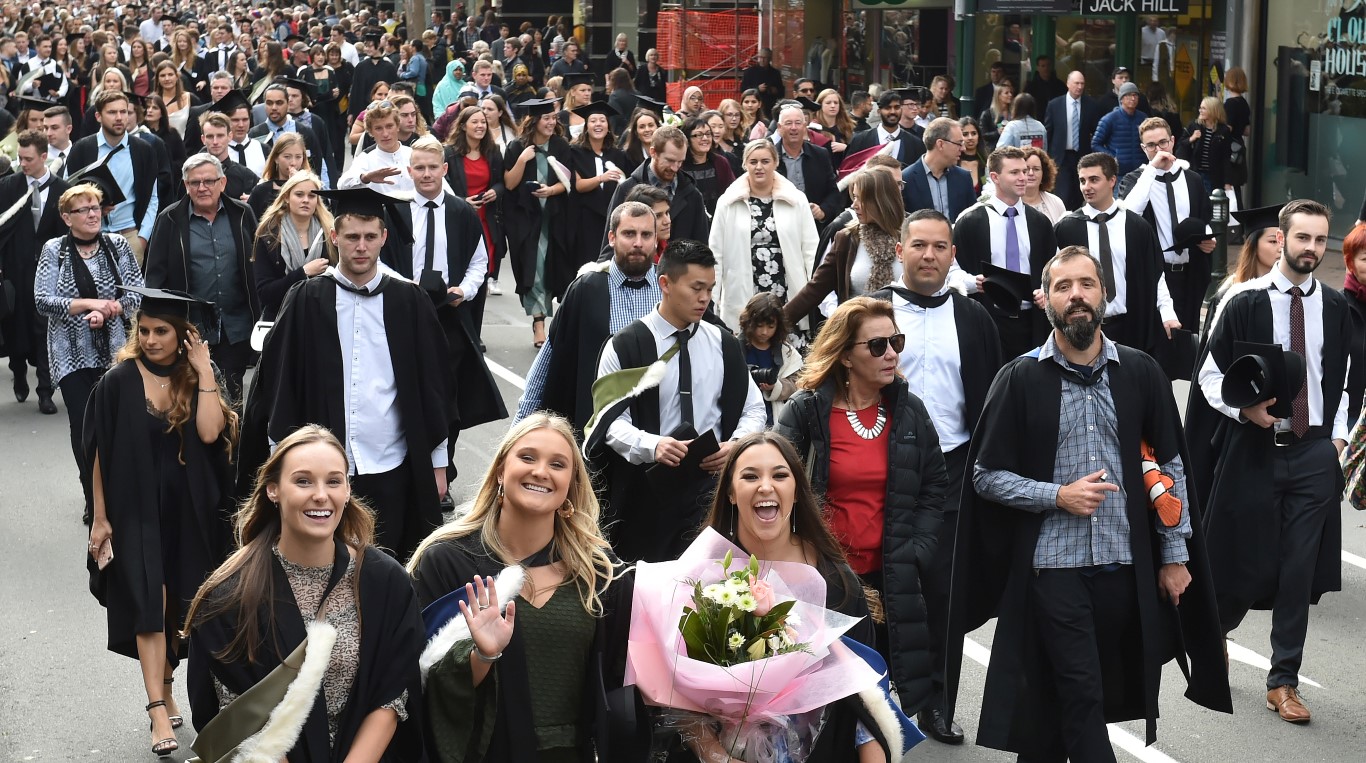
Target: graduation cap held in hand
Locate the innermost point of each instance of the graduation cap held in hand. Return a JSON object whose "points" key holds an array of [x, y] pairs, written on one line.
{"points": [[1189, 233], [1006, 289], [1261, 372], [99, 176]]}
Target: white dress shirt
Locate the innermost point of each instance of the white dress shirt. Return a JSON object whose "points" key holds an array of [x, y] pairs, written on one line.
{"points": [[374, 430], [1151, 192], [1119, 257], [1211, 377], [255, 156], [704, 353], [884, 137], [966, 283], [473, 277], [48, 66], [933, 367], [56, 159]]}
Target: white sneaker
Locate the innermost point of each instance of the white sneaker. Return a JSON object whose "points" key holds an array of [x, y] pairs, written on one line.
{"points": [[494, 289]]}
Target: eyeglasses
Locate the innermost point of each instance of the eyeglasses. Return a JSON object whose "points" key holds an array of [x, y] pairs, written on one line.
{"points": [[877, 347], [1163, 144], [83, 211], [201, 183], [957, 143]]}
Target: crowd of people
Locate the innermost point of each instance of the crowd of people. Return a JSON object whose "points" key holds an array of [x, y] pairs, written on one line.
{"points": [[927, 356]]}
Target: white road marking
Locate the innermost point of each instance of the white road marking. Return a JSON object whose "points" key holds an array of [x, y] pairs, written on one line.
{"points": [[505, 374], [1248, 657], [1118, 736], [1353, 559]]}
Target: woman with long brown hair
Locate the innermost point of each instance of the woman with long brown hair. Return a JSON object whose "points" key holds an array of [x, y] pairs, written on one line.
{"points": [[474, 171], [288, 155], [640, 130], [862, 257], [292, 240], [563, 634], [874, 456], [185, 56], [140, 68], [172, 90], [159, 437], [306, 573], [835, 121]]}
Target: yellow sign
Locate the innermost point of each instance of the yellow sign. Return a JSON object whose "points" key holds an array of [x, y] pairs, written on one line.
{"points": [[1184, 72]]}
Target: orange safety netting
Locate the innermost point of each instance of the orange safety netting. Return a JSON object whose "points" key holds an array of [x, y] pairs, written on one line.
{"points": [[700, 40], [713, 91]]}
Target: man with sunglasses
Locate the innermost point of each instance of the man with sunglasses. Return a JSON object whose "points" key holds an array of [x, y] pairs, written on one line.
{"points": [[951, 356], [1094, 586], [936, 181], [1167, 192]]}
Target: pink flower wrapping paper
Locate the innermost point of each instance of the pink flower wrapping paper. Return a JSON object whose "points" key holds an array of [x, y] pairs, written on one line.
{"points": [[765, 689]]}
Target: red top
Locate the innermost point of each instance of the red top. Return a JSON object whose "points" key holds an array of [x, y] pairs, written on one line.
{"points": [[857, 488], [477, 182]]}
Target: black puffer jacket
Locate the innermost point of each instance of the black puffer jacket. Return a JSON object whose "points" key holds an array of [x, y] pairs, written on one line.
{"points": [[916, 485]]}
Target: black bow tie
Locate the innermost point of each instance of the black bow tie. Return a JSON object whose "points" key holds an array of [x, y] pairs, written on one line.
{"points": [[635, 283], [928, 303]]}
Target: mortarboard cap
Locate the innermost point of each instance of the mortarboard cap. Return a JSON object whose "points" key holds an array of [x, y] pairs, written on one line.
{"points": [[917, 94], [363, 201], [1189, 232], [230, 103], [538, 106], [1006, 289], [373, 36], [1261, 372], [295, 83], [574, 79], [35, 102], [99, 176], [1259, 218], [162, 303], [72, 37], [806, 103], [651, 104], [597, 107]]}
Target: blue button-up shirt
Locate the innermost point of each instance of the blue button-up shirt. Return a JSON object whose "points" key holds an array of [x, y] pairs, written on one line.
{"points": [[1088, 441], [121, 167]]}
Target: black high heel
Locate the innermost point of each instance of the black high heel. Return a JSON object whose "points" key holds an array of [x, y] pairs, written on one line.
{"points": [[176, 720], [165, 747], [537, 322]]}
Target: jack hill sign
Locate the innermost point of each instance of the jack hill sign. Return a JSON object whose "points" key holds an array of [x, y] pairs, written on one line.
{"points": [[1112, 7]]}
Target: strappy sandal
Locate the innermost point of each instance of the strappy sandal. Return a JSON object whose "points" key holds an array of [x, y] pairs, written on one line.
{"points": [[164, 747], [176, 720]]}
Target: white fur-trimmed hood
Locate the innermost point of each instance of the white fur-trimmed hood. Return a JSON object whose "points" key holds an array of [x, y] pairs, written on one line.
{"points": [[286, 722], [508, 584]]}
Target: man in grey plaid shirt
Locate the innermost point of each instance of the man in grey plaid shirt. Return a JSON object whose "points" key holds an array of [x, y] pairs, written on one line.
{"points": [[1093, 589]]}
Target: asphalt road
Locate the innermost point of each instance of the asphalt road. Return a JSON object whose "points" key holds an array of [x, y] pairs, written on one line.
{"points": [[63, 697]]}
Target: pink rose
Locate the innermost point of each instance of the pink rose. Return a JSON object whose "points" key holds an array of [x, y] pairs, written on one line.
{"points": [[762, 592]]}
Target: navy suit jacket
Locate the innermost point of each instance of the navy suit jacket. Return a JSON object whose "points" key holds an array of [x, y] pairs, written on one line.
{"points": [[916, 191], [1055, 122]]}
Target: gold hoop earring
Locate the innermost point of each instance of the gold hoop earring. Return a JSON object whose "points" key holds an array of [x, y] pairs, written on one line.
{"points": [[567, 510], [499, 497]]}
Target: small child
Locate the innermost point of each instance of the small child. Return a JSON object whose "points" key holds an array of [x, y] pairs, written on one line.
{"points": [[773, 363]]}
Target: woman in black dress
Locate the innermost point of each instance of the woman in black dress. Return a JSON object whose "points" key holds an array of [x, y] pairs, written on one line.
{"points": [[158, 436], [598, 166], [326, 92], [531, 677], [158, 123], [535, 213], [474, 171]]}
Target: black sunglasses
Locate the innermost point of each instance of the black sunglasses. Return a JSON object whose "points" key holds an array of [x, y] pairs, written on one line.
{"points": [[877, 347]]}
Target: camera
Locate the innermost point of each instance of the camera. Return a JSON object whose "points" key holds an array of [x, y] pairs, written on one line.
{"points": [[763, 375]]}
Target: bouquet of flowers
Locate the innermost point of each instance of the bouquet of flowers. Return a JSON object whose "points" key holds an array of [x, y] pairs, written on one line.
{"points": [[754, 658]]}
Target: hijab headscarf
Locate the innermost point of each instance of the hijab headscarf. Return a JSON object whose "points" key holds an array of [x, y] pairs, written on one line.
{"points": [[448, 89]]}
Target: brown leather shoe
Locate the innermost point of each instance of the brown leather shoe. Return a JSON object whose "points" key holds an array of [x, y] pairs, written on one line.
{"points": [[1285, 700]]}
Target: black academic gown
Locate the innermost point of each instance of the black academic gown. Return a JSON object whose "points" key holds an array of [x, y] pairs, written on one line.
{"points": [[1200, 267], [1231, 463], [1142, 269], [391, 639], [368, 73], [577, 335], [994, 554], [522, 215], [608, 712], [117, 430], [20, 245], [476, 395], [588, 211], [299, 381], [317, 150]]}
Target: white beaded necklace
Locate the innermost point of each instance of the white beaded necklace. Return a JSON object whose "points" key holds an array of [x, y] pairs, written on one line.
{"points": [[865, 432]]}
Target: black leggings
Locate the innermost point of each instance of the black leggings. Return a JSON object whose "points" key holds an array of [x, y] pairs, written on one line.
{"points": [[76, 387]]}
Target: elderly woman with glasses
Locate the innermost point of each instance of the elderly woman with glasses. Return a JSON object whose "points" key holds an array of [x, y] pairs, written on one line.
{"points": [[76, 288], [873, 453]]}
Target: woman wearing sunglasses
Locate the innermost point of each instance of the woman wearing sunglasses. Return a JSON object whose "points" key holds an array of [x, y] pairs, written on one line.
{"points": [[872, 451]]}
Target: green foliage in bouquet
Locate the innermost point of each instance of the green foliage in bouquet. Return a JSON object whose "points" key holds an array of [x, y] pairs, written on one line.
{"points": [[735, 620]]}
